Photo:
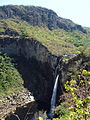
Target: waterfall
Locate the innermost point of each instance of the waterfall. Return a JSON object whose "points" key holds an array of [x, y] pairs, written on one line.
{"points": [[53, 99]]}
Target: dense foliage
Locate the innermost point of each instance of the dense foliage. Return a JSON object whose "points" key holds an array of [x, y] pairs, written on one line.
{"points": [[10, 79], [76, 102]]}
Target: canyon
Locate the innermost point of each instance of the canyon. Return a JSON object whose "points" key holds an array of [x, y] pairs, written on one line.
{"points": [[40, 45]]}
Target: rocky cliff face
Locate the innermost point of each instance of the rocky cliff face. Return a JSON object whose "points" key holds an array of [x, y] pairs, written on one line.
{"points": [[38, 16], [29, 48], [35, 63], [37, 67]]}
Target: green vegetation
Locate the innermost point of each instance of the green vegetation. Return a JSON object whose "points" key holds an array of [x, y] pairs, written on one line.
{"points": [[76, 104], [57, 41], [10, 79]]}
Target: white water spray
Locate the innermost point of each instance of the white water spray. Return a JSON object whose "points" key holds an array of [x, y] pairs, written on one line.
{"points": [[53, 99]]}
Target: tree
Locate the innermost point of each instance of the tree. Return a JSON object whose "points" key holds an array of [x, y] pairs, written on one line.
{"points": [[78, 102]]}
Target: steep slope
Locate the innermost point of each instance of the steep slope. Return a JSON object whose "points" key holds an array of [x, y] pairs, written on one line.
{"points": [[37, 39], [57, 41], [59, 35], [38, 16]]}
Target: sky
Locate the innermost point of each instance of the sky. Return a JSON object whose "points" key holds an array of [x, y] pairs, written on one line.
{"points": [[75, 10]]}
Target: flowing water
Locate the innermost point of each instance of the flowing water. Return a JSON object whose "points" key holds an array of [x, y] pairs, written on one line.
{"points": [[53, 99]]}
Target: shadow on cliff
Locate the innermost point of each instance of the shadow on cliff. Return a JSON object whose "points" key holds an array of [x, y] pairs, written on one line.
{"points": [[38, 78]]}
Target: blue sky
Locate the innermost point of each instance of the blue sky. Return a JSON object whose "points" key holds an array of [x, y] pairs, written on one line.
{"points": [[76, 10]]}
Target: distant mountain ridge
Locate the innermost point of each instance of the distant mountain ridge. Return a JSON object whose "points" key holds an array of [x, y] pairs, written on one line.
{"points": [[38, 16]]}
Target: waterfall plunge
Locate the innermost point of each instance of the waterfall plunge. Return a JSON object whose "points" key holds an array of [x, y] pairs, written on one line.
{"points": [[53, 99]]}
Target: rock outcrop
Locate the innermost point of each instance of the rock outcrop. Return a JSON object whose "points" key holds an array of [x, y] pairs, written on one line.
{"points": [[29, 48], [38, 16], [10, 103]]}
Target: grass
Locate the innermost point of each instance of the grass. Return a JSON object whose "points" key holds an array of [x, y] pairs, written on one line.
{"points": [[57, 41]]}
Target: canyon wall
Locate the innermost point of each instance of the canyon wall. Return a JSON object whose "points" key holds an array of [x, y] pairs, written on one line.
{"points": [[35, 63], [28, 48]]}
